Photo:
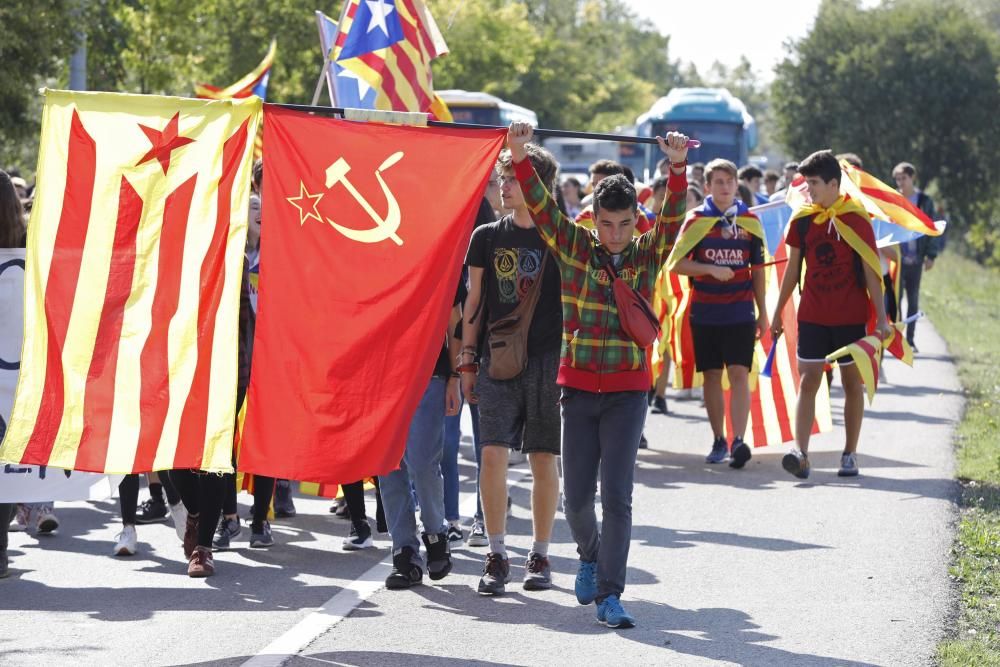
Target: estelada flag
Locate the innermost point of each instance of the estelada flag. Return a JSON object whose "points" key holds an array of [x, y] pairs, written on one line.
{"points": [[133, 269], [364, 230], [867, 355]]}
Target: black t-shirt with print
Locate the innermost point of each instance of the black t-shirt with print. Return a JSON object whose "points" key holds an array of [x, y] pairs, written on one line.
{"points": [[511, 257]]}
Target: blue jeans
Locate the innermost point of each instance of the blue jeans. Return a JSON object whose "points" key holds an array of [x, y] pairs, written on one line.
{"points": [[449, 463], [600, 441], [421, 464]]}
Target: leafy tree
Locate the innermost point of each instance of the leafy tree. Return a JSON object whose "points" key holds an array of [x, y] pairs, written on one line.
{"points": [[36, 38], [912, 80]]}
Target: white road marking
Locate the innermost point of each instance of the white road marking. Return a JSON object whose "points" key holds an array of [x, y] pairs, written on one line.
{"points": [[340, 606]]}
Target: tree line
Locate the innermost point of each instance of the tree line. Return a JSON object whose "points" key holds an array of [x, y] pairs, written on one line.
{"points": [[913, 80]]}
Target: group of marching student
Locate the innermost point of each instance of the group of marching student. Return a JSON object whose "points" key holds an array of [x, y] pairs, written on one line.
{"points": [[553, 365], [539, 346]]}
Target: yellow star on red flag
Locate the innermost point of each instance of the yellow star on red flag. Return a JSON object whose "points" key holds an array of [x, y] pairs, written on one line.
{"points": [[299, 203]]}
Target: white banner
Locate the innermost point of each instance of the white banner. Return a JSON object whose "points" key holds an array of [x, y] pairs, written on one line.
{"points": [[30, 484]]}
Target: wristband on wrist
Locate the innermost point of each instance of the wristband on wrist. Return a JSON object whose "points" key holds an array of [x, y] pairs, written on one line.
{"points": [[468, 368], [455, 375]]}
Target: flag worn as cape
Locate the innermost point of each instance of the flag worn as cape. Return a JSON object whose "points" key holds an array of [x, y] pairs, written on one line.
{"points": [[359, 267], [132, 284], [698, 225], [843, 206]]}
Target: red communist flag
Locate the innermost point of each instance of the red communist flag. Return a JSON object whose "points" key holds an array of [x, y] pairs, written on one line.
{"points": [[363, 234]]}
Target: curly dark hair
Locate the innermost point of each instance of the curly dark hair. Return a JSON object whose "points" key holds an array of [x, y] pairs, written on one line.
{"points": [[615, 193]]}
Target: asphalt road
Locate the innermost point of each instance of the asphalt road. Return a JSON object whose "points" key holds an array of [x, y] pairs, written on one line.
{"points": [[747, 567]]}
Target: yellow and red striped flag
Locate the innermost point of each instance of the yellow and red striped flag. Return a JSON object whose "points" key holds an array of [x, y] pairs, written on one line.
{"points": [[133, 270], [867, 354], [253, 83]]}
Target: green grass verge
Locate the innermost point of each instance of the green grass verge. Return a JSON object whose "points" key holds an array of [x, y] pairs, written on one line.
{"points": [[962, 299]]}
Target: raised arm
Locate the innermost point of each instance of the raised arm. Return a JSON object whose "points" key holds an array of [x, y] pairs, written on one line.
{"points": [[671, 214]]}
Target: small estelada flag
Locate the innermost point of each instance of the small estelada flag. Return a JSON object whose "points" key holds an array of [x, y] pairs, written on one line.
{"points": [[867, 355], [133, 268]]}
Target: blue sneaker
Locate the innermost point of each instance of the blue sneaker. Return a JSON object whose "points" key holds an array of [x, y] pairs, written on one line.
{"points": [[612, 614], [586, 582], [720, 451]]}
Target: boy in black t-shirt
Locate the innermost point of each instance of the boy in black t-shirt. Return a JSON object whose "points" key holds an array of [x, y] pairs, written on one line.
{"points": [[506, 258]]}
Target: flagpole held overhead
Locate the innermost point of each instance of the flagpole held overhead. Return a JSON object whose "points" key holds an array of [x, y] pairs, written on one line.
{"points": [[409, 119]]}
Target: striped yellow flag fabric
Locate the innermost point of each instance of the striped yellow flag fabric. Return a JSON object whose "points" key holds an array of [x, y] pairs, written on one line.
{"points": [[133, 269]]}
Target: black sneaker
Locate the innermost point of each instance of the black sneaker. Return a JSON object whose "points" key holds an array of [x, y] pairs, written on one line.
{"points": [[537, 573], [496, 574], [455, 534], [643, 443], [284, 508], [262, 539], [226, 531], [151, 511], [438, 555], [405, 572], [660, 405], [740, 453]]}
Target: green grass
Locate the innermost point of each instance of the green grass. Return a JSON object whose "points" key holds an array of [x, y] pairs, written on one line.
{"points": [[962, 299]]}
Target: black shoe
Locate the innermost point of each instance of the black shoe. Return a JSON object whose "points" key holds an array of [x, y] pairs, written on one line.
{"points": [[284, 508], [660, 405], [438, 555], [151, 511], [643, 443], [4, 569], [405, 572], [739, 454], [496, 575], [650, 395]]}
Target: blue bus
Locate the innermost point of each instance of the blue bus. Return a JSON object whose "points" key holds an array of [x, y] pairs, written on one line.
{"points": [[712, 115]]}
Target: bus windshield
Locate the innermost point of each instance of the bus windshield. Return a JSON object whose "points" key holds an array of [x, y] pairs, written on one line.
{"points": [[718, 140], [476, 115]]}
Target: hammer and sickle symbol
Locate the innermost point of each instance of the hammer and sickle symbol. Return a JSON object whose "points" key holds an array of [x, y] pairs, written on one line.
{"points": [[385, 228]]}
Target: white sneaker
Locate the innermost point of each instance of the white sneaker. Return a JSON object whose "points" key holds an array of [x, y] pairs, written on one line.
{"points": [[355, 542], [47, 522], [126, 542], [21, 519], [179, 514]]}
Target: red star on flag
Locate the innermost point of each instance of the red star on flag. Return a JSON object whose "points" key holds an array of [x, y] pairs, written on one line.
{"points": [[164, 142]]}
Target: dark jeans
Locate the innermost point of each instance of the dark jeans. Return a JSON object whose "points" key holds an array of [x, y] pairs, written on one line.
{"points": [[911, 274], [449, 461], [600, 441], [7, 511]]}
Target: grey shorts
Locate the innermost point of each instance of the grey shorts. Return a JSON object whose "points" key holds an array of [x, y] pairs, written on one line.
{"points": [[523, 412]]}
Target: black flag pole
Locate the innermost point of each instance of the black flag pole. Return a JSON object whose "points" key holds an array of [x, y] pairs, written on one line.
{"points": [[541, 132]]}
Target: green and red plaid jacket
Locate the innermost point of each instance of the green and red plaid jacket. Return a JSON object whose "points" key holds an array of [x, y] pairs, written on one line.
{"points": [[597, 356]]}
